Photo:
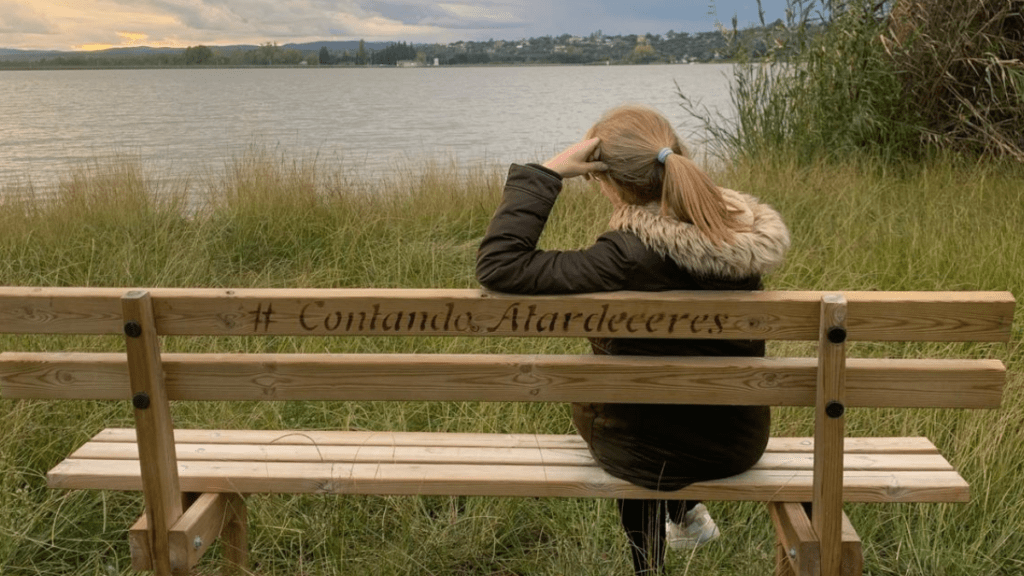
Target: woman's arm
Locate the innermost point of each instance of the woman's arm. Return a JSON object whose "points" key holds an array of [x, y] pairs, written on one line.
{"points": [[508, 259]]}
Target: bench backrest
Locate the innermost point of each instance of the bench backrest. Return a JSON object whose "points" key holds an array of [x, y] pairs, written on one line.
{"points": [[869, 316]]}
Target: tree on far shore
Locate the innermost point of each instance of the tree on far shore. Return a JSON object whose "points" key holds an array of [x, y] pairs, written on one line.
{"points": [[361, 54], [198, 55]]}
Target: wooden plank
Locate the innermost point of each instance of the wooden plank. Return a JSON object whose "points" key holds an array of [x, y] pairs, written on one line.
{"points": [[235, 537], [64, 376], [401, 454], [888, 445], [140, 545], [201, 524], [894, 462], [798, 546], [829, 431], [210, 517], [498, 480], [796, 538], [153, 426], [357, 438], [926, 316], [528, 378], [472, 455], [853, 550], [851, 445], [49, 310]]}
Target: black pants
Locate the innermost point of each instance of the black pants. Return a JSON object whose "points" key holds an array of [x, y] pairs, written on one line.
{"points": [[667, 447], [644, 522]]}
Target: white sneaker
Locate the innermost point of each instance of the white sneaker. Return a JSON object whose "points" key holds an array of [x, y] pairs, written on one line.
{"points": [[697, 529]]}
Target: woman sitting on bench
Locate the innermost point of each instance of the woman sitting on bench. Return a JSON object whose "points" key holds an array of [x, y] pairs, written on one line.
{"points": [[671, 229]]}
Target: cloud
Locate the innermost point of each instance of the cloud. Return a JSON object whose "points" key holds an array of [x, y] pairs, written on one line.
{"points": [[450, 14], [205, 16], [62, 25], [16, 18], [409, 13], [132, 38], [219, 21]]}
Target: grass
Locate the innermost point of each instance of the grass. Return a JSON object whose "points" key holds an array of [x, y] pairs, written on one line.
{"points": [[269, 221]]}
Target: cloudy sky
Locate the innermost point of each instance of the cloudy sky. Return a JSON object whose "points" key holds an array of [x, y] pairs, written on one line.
{"points": [[95, 24]]}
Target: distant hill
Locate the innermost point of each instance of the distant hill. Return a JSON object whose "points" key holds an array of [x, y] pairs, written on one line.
{"points": [[14, 54]]}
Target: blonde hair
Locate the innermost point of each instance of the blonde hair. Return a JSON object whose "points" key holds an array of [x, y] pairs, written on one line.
{"points": [[631, 138]]}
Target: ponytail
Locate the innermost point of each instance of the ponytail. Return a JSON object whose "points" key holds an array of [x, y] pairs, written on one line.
{"points": [[689, 194], [648, 163]]}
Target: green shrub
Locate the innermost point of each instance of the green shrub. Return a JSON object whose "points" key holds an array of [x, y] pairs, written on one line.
{"points": [[895, 79], [961, 65]]}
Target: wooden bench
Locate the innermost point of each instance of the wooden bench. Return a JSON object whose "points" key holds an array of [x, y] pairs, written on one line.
{"points": [[195, 481]]}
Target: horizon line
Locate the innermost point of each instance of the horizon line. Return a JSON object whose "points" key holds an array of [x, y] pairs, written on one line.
{"points": [[106, 47]]}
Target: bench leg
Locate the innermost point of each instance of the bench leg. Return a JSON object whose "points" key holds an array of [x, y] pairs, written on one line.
{"points": [[211, 516], [235, 537], [798, 551]]}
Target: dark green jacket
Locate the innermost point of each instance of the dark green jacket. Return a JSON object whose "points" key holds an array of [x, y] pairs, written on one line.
{"points": [[658, 446]]}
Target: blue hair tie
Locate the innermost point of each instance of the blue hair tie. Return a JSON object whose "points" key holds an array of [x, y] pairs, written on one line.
{"points": [[664, 154]]}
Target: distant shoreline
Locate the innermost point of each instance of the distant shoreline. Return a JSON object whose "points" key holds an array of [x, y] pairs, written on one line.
{"points": [[594, 49], [41, 68]]}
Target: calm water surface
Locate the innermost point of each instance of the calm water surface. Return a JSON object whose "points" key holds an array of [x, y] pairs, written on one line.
{"points": [[367, 122]]}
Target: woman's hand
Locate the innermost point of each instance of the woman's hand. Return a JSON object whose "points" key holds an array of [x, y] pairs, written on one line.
{"points": [[576, 160]]}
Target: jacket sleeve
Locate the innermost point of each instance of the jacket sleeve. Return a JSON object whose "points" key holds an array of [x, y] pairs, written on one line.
{"points": [[508, 259]]}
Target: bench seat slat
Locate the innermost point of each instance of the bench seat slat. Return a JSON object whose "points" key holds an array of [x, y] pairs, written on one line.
{"points": [[355, 438], [469, 455], [852, 445], [870, 382], [501, 480]]}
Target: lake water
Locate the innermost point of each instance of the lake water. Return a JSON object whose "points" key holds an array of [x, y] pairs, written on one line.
{"points": [[365, 121]]}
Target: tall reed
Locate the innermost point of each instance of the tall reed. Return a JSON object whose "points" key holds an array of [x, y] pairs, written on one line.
{"points": [[894, 79], [961, 65]]}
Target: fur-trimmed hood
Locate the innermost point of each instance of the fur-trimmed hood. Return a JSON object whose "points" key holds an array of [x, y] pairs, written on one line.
{"points": [[755, 251]]}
